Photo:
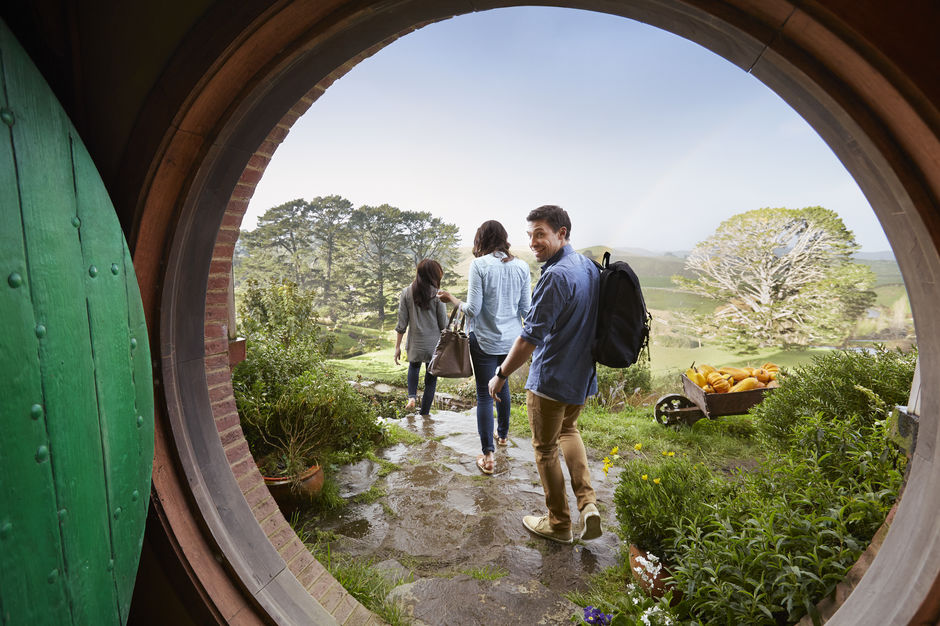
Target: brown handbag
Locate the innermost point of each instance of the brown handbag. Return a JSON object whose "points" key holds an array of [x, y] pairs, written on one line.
{"points": [[452, 355]]}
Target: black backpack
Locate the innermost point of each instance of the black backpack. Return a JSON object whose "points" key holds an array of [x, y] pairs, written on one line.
{"points": [[623, 323]]}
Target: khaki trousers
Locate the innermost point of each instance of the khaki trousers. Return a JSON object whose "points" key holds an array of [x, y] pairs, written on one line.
{"points": [[555, 424]]}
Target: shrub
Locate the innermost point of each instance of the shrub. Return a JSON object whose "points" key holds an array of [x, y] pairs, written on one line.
{"points": [[766, 545], [652, 497], [313, 413], [292, 407], [281, 313], [773, 549], [849, 387], [284, 340], [616, 386]]}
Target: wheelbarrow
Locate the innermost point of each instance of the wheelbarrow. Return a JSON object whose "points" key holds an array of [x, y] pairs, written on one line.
{"points": [[674, 408]]}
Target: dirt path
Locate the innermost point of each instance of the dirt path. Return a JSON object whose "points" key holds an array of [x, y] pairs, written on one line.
{"points": [[441, 517]]}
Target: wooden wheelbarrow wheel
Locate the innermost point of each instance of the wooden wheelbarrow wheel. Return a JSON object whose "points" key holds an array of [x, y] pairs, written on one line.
{"points": [[667, 411]]}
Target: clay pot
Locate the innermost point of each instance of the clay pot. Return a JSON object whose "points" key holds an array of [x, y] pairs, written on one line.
{"points": [[290, 494], [650, 573]]}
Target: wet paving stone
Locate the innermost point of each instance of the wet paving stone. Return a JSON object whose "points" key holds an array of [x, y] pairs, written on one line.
{"points": [[442, 519]]}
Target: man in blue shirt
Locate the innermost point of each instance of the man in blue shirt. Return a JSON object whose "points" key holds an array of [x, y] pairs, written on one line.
{"points": [[557, 334]]}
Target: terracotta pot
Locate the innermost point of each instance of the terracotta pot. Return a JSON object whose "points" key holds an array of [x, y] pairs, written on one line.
{"points": [[649, 573], [290, 494]]}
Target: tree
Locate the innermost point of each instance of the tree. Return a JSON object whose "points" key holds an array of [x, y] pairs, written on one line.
{"points": [[379, 258], [330, 227], [428, 237], [284, 233], [779, 277]]}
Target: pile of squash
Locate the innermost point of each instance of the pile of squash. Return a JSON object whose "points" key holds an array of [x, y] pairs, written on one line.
{"points": [[732, 379]]}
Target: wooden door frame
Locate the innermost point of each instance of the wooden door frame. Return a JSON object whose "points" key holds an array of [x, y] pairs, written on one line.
{"points": [[235, 103]]}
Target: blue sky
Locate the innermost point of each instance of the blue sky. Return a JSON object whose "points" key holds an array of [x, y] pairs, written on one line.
{"points": [[647, 140]]}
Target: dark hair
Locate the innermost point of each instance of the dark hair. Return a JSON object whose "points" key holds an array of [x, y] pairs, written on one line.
{"points": [[427, 282], [491, 237], [555, 216]]}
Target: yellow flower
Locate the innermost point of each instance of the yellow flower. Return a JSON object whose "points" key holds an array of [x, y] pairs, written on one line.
{"points": [[656, 480], [665, 453], [644, 477], [638, 447], [672, 454], [615, 450]]}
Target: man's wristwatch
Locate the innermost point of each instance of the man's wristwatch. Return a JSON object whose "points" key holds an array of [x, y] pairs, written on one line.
{"points": [[499, 373]]}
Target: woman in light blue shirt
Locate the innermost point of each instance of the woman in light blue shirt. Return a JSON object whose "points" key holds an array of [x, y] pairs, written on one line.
{"points": [[498, 298]]}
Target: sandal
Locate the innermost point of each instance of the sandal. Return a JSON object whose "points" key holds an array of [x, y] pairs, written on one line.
{"points": [[485, 466], [501, 441]]}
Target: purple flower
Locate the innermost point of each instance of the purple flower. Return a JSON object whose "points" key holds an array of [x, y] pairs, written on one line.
{"points": [[596, 616]]}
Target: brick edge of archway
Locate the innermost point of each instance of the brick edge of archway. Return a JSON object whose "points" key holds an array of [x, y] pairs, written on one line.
{"points": [[218, 367]]}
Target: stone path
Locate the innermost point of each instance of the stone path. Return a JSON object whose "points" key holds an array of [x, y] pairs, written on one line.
{"points": [[441, 517]]}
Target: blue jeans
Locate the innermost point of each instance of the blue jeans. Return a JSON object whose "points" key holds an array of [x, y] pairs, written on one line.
{"points": [[484, 368], [430, 385]]}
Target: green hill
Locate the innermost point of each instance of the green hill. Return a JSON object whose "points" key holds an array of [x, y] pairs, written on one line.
{"points": [[886, 272], [656, 270]]}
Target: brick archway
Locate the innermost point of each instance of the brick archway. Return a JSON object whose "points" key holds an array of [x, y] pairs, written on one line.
{"points": [[875, 117]]}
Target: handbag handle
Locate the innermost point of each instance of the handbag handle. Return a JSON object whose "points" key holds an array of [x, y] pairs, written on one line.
{"points": [[450, 320]]}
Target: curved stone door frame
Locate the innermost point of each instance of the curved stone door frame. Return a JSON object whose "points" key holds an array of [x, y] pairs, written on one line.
{"points": [[883, 129]]}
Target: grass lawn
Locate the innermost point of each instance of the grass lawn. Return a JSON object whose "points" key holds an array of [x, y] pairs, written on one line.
{"points": [[349, 339], [722, 443], [666, 363], [887, 295], [671, 299], [379, 366]]}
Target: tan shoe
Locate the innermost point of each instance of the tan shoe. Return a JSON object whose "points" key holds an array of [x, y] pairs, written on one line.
{"points": [[590, 522], [541, 527]]}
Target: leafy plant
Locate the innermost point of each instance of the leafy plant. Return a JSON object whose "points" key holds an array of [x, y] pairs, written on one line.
{"points": [[764, 546], [609, 599], [615, 387], [313, 413], [292, 407], [845, 386], [281, 313], [779, 543], [652, 497]]}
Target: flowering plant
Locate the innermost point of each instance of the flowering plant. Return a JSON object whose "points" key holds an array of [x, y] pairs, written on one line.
{"points": [[632, 607], [594, 615], [652, 497]]}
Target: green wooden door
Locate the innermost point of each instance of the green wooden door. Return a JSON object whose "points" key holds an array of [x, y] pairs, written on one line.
{"points": [[76, 389]]}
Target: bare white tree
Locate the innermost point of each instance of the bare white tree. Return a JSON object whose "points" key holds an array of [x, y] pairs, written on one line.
{"points": [[778, 277]]}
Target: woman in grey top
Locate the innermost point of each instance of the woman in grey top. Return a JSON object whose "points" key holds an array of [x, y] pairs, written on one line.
{"points": [[424, 315], [498, 298]]}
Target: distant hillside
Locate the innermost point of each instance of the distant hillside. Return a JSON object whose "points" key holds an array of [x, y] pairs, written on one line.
{"points": [[883, 255], [653, 269], [886, 272], [656, 269], [597, 252]]}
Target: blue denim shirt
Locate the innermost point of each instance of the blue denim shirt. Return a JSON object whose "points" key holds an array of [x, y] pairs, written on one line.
{"points": [[561, 324], [498, 300]]}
